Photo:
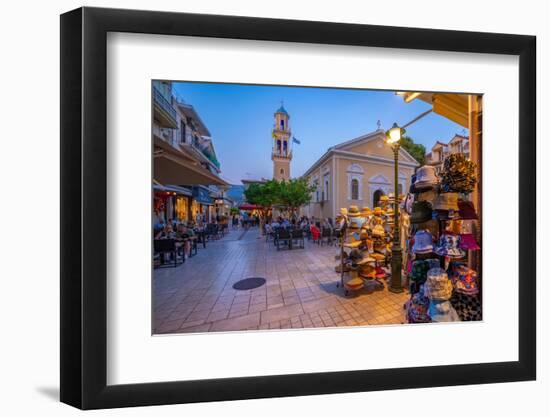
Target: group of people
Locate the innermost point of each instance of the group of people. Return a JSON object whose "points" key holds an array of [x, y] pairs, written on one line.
{"points": [[311, 224], [184, 233], [244, 220]]}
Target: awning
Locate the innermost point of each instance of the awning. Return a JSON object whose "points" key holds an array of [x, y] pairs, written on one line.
{"points": [[201, 195], [174, 167], [452, 106], [174, 189], [249, 207]]}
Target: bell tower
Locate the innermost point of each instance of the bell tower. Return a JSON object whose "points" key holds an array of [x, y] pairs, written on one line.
{"points": [[281, 154]]}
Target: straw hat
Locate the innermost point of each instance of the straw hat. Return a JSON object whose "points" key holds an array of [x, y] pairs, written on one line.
{"points": [[378, 231], [366, 212], [367, 271], [354, 284], [344, 211], [384, 198], [378, 256], [378, 211], [353, 211]]}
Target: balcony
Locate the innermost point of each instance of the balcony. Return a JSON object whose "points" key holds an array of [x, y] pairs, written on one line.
{"points": [[281, 154], [167, 135], [165, 113]]}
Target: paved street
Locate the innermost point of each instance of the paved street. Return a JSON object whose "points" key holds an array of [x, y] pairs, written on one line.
{"points": [[300, 291]]}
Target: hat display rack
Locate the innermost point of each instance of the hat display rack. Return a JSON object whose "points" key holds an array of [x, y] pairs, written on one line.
{"points": [[442, 285], [363, 246]]}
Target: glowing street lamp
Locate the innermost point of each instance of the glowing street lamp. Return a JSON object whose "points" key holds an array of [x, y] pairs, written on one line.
{"points": [[393, 138]]}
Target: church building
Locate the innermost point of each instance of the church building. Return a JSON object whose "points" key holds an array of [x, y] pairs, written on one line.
{"points": [[356, 172]]}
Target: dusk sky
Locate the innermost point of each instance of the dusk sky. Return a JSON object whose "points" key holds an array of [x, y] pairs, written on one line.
{"points": [[240, 119]]}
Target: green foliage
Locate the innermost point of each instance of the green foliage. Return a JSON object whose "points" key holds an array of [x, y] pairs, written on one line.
{"points": [[289, 194], [264, 195], [234, 210], [294, 193], [416, 150]]}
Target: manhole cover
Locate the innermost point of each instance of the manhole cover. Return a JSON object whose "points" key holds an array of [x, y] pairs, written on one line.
{"points": [[249, 283]]}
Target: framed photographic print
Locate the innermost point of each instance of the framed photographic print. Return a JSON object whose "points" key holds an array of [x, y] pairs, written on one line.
{"points": [[256, 208]]}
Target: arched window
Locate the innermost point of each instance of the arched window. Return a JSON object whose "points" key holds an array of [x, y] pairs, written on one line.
{"points": [[355, 189], [376, 198], [282, 171]]}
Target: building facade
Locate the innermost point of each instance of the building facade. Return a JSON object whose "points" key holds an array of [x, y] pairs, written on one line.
{"points": [[356, 172], [281, 153], [440, 150], [186, 171]]}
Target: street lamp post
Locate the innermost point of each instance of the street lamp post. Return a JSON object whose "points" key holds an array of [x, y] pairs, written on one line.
{"points": [[393, 138]]}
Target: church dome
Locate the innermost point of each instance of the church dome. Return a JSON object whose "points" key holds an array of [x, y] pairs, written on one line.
{"points": [[282, 110]]}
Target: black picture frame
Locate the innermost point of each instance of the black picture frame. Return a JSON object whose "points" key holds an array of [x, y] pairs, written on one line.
{"points": [[84, 207]]}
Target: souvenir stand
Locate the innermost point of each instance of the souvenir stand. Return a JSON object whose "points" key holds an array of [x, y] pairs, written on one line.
{"points": [[442, 285], [360, 246]]}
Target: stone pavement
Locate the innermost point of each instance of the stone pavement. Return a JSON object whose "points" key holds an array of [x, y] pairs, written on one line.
{"points": [[300, 291]]}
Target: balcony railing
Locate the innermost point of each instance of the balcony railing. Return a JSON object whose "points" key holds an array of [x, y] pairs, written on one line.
{"points": [[164, 105]]}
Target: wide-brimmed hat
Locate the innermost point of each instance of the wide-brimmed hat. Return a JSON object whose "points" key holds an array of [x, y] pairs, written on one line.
{"points": [[378, 211], [354, 241], [366, 212], [421, 212], [344, 211], [354, 284], [355, 222], [438, 285], [467, 210], [442, 311], [423, 242], [384, 198], [367, 270], [378, 231], [449, 245], [389, 211], [353, 211], [355, 255], [468, 242], [378, 256], [426, 177], [446, 201]]}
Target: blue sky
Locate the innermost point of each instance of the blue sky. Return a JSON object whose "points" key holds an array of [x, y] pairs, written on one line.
{"points": [[240, 119]]}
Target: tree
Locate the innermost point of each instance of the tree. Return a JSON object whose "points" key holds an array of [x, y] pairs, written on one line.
{"points": [[289, 195], [417, 150], [294, 193], [263, 195]]}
